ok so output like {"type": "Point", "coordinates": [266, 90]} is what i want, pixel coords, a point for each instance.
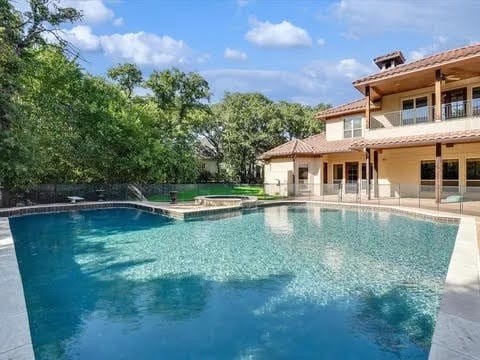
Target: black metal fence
{"type": "Point", "coordinates": [458, 199]}
{"type": "Point", "coordinates": [56, 193]}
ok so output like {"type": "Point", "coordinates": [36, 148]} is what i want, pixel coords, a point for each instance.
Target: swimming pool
{"type": "Point", "coordinates": [285, 281]}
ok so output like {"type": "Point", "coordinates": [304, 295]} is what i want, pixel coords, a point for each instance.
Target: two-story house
{"type": "Point", "coordinates": [416, 129]}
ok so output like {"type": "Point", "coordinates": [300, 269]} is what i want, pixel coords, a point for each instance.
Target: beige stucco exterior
{"type": "Point", "coordinates": [399, 164]}
{"type": "Point", "coordinates": [281, 176]}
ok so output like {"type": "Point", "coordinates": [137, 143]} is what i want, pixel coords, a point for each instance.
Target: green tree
{"type": "Point", "coordinates": [128, 76]}
{"type": "Point", "coordinates": [212, 130]}
{"type": "Point", "coordinates": [182, 97]}
{"type": "Point", "coordinates": [19, 34]}
{"type": "Point", "coordinates": [298, 121]}
{"type": "Point", "coordinates": [249, 121]}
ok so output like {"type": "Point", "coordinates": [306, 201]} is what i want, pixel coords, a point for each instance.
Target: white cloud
{"type": "Point", "coordinates": [233, 54]}
{"type": "Point", "coordinates": [94, 11]}
{"type": "Point", "coordinates": [316, 82]}
{"type": "Point", "coordinates": [82, 37]}
{"type": "Point", "coordinates": [145, 48]}
{"type": "Point", "coordinates": [320, 42]}
{"type": "Point", "coordinates": [118, 21]}
{"type": "Point", "coordinates": [141, 47]}
{"type": "Point", "coordinates": [437, 45]}
{"type": "Point", "coordinates": [203, 58]}
{"type": "Point", "coordinates": [351, 68]}
{"type": "Point", "coordinates": [436, 18]}
{"type": "Point", "coordinates": [283, 34]}
{"type": "Point", "coordinates": [249, 80]}
{"type": "Point", "coordinates": [242, 3]}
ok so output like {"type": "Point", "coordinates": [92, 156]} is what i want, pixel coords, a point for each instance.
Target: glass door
{"type": "Point", "coordinates": [351, 170]}
{"type": "Point", "coordinates": [337, 173]}
{"type": "Point", "coordinates": [303, 178]}
{"type": "Point", "coordinates": [454, 103]}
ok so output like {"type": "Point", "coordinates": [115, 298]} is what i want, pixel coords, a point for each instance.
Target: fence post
{"type": "Point", "coordinates": [399, 195]}
{"type": "Point", "coordinates": [419, 189]}
{"type": "Point", "coordinates": [462, 192]}
{"type": "Point", "coordinates": [55, 193]}
{"type": "Point", "coordinates": [358, 193]}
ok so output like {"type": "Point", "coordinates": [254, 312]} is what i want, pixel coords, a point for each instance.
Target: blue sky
{"type": "Point", "coordinates": [304, 51]}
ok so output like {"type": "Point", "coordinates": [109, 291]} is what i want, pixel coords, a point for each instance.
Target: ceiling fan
{"type": "Point", "coordinates": [451, 77]}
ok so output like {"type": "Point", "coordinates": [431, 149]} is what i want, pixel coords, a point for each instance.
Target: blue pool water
{"type": "Point", "coordinates": [282, 282]}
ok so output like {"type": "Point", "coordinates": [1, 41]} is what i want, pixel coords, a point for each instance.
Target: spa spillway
{"type": "Point", "coordinates": [226, 200]}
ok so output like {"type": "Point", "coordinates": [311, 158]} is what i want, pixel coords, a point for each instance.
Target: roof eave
{"type": "Point", "coordinates": [342, 113]}
{"type": "Point", "coordinates": [361, 84]}
{"type": "Point", "coordinates": [416, 143]}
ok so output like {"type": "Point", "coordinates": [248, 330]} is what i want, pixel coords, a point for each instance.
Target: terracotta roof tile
{"type": "Point", "coordinates": [323, 146]}
{"type": "Point", "coordinates": [425, 139]}
{"type": "Point", "coordinates": [313, 145]}
{"type": "Point", "coordinates": [391, 55]}
{"type": "Point", "coordinates": [351, 107]}
{"type": "Point", "coordinates": [427, 62]}
{"type": "Point", "coordinates": [293, 147]}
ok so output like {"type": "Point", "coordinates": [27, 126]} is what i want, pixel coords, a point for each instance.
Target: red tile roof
{"type": "Point", "coordinates": [311, 146]}
{"type": "Point", "coordinates": [348, 108]}
{"type": "Point", "coordinates": [323, 146]}
{"type": "Point", "coordinates": [392, 55]}
{"type": "Point", "coordinates": [354, 107]}
{"type": "Point", "coordinates": [427, 62]}
{"type": "Point", "coordinates": [318, 145]}
{"type": "Point", "coordinates": [426, 139]}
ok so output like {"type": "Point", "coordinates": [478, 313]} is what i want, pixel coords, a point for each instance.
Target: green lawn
{"type": "Point", "coordinates": [216, 189]}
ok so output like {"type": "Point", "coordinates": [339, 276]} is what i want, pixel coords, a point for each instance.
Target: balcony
{"type": "Point", "coordinates": [426, 114]}
{"type": "Point", "coordinates": [456, 116]}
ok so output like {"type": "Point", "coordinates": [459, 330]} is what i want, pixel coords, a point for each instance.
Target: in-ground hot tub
{"type": "Point", "coordinates": [226, 200]}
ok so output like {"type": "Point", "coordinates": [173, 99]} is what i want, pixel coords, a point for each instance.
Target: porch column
{"type": "Point", "coordinates": [367, 107]}
{"type": "Point", "coordinates": [438, 172]}
{"type": "Point", "coordinates": [294, 176]}
{"type": "Point", "coordinates": [438, 95]}
{"type": "Point", "coordinates": [375, 173]}
{"type": "Point", "coordinates": [320, 172]}
{"type": "Point", "coordinates": [367, 169]}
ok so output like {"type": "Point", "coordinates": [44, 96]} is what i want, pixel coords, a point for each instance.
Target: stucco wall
{"type": "Point", "coordinates": [392, 105]}
{"type": "Point", "coordinates": [278, 171]}
{"type": "Point", "coordinates": [281, 171]}
{"type": "Point", "coordinates": [394, 102]}
{"type": "Point", "coordinates": [403, 165]}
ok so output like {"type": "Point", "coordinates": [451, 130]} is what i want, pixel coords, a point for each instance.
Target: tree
{"type": "Point", "coordinates": [212, 130]}
{"type": "Point", "coordinates": [298, 121]}
{"type": "Point", "coordinates": [19, 34]}
{"type": "Point", "coordinates": [182, 96]}
{"type": "Point", "coordinates": [128, 76]}
{"type": "Point", "coordinates": [249, 121]}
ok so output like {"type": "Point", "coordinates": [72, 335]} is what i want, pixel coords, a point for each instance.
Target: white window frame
{"type": "Point", "coordinates": [351, 128]}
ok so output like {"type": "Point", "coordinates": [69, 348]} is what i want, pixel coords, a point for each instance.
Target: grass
{"type": "Point", "coordinates": [217, 189]}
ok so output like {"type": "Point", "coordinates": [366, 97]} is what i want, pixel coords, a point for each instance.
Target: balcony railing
{"type": "Point", "coordinates": [453, 110]}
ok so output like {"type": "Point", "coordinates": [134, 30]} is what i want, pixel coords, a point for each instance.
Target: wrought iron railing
{"type": "Point", "coordinates": [425, 114]}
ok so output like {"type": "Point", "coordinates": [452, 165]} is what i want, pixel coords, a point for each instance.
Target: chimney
{"type": "Point", "coordinates": [389, 61]}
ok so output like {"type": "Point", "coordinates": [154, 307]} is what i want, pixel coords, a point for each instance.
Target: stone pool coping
{"type": "Point", "coordinates": [15, 340]}
{"type": "Point", "coordinates": [457, 329]}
